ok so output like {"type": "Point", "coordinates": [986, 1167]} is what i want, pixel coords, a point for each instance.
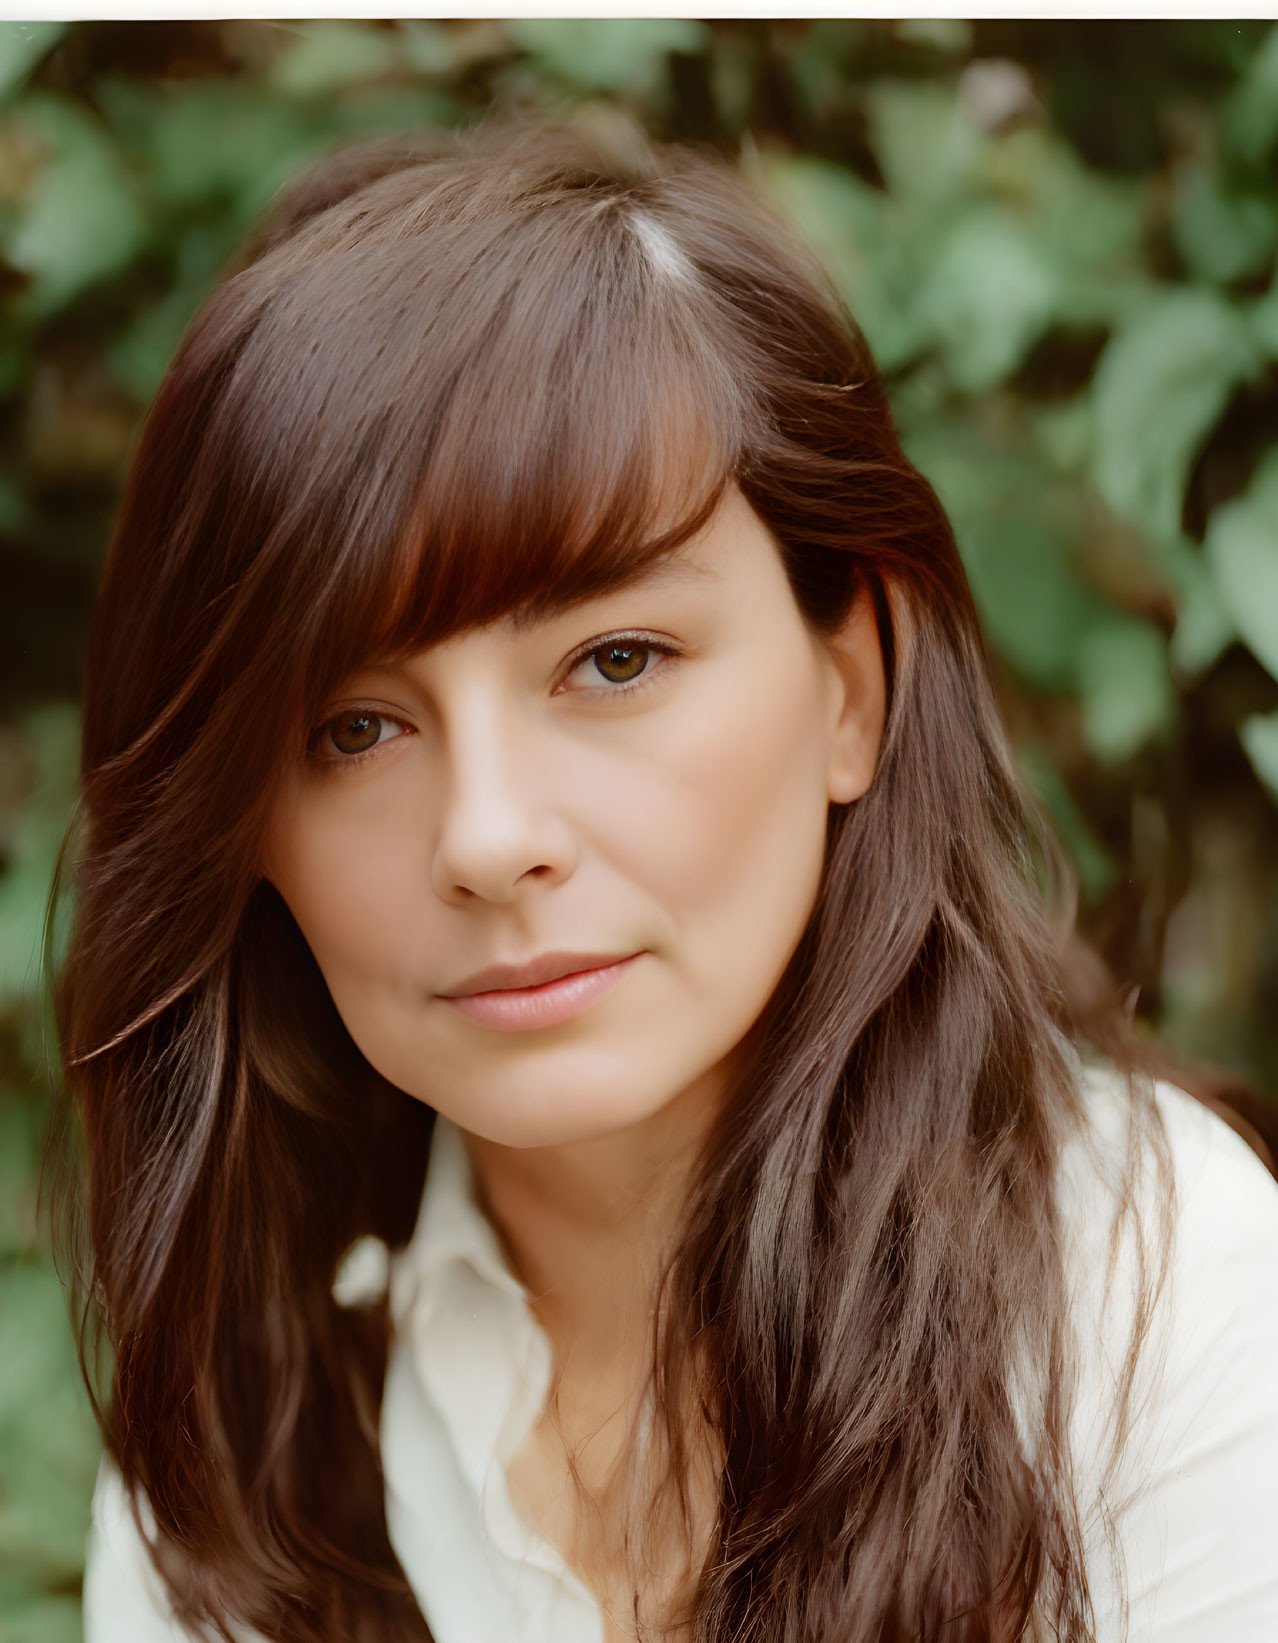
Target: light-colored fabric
{"type": "Point", "coordinates": [1195, 1497]}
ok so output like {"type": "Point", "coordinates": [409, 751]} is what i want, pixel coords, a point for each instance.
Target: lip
{"type": "Point", "coordinates": [520, 1009]}
{"type": "Point", "coordinates": [545, 967]}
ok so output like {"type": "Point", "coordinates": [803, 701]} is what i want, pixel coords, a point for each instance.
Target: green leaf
{"type": "Point", "coordinates": [948, 34]}
{"type": "Point", "coordinates": [1063, 433]}
{"type": "Point", "coordinates": [1016, 531]}
{"type": "Point", "coordinates": [1241, 544]}
{"type": "Point", "coordinates": [140, 355]}
{"type": "Point", "coordinates": [734, 73]}
{"type": "Point", "coordinates": [82, 222]}
{"type": "Point", "coordinates": [52, 733]}
{"type": "Point", "coordinates": [1259, 737]}
{"type": "Point", "coordinates": [1159, 387]}
{"type": "Point", "coordinates": [1263, 319]}
{"type": "Point", "coordinates": [19, 1172]}
{"type": "Point", "coordinates": [331, 54]}
{"type": "Point", "coordinates": [988, 296]}
{"type": "Point", "coordinates": [1204, 627]}
{"type": "Point", "coordinates": [1097, 869]}
{"type": "Point", "coordinates": [1127, 696]}
{"type": "Point", "coordinates": [22, 45]}
{"type": "Point", "coordinates": [613, 54]}
{"type": "Point", "coordinates": [924, 139]}
{"type": "Point", "coordinates": [375, 111]}
{"type": "Point", "coordinates": [429, 47]}
{"type": "Point", "coordinates": [206, 142]}
{"type": "Point", "coordinates": [1221, 235]}
{"type": "Point", "coordinates": [1249, 118]}
{"type": "Point", "coordinates": [822, 63]}
{"type": "Point", "coordinates": [858, 234]}
{"type": "Point", "coordinates": [1081, 220]}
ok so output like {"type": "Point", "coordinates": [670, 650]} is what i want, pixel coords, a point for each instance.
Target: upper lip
{"type": "Point", "coordinates": [545, 967]}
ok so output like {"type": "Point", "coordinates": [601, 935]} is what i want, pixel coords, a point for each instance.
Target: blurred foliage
{"type": "Point", "coordinates": [1059, 239]}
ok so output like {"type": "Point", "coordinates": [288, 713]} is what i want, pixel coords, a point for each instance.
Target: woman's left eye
{"type": "Point", "coordinates": [624, 661]}
{"type": "Point", "coordinates": [347, 737]}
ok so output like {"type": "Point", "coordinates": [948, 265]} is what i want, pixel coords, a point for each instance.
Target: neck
{"type": "Point", "coordinates": [587, 1225]}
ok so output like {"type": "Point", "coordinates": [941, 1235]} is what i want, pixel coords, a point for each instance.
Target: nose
{"type": "Point", "coordinates": [500, 828]}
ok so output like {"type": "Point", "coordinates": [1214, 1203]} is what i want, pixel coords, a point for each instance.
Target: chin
{"type": "Point", "coordinates": [557, 1123]}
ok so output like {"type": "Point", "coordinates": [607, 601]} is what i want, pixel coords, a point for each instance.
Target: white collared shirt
{"type": "Point", "coordinates": [469, 1370]}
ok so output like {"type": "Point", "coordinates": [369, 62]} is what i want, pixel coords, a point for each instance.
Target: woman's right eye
{"type": "Point", "coordinates": [347, 737]}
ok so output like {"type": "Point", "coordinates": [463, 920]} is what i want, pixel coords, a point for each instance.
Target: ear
{"type": "Point", "coordinates": [858, 700]}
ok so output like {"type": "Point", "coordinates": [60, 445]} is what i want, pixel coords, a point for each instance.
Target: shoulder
{"type": "Point", "coordinates": [124, 1597]}
{"type": "Point", "coordinates": [1170, 1178]}
{"type": "Point", "coordinates": [1183, 1514]}
{"type": "Point", "coordinates": [125, 1600]}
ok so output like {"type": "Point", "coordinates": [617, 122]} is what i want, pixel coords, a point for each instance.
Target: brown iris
{"type": "Point", "coordinates": [355, 732]}
{"type": "Point", "coordinates": [607, 655]}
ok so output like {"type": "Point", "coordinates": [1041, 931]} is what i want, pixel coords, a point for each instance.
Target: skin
{"type": "Point", "coordinates": [516, 804]}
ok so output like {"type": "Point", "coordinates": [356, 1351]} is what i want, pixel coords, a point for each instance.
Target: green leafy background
{"type": "Point", "coordinates": [1060, 240]}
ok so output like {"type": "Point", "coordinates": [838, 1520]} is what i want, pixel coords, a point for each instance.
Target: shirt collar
{"type": "Point", "coordinates": [451, 1230]}
{"type": "Point", "coordinates": [477, 1353]}
{"type": "Point", "coordinates": [469, 1369]}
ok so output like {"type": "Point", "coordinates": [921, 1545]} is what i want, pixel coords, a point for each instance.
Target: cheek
{"type": "Point", "coordinates": [734, 832]}
{"type": "Point", "coordinates": [345, 895]}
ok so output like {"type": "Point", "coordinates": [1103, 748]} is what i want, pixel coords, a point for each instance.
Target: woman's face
{"type": "Point", "coordinates": [646, 775]}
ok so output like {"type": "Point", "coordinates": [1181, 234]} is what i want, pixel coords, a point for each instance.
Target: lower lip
{"type": "Point", "coordinates": [517, 1009]}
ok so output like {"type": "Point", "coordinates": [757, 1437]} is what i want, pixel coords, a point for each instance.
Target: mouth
{"type": "Point", "coordinates": [521, 1009]}
{"type": "Point", "coordinates": [533, 972]}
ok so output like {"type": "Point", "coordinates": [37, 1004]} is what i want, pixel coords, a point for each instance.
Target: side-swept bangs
{"type": "Point", "coordinates": [437, 417]}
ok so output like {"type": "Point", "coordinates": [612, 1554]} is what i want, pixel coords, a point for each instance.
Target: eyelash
{"type": "Point", "coordinates": [595, 647]}
{"type": "Point", "coordinates": [612, 641]}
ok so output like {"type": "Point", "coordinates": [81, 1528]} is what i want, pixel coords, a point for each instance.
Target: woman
{"type": "Point", "coordinates": [545, 810]}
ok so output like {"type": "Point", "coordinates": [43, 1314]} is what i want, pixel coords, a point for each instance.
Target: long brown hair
{"type": "Point", "coordinates": [456, 378]}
